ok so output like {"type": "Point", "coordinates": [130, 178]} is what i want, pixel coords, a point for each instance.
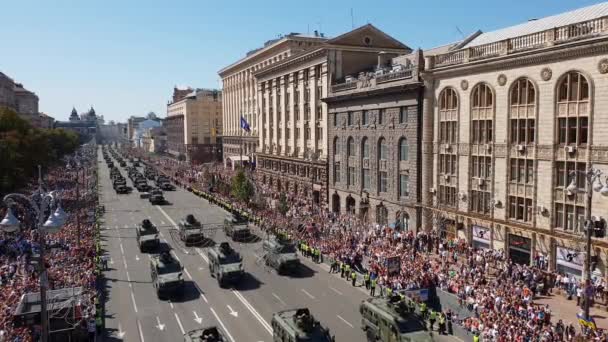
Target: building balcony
{"type": "Point", "coordinates": [368, 80]}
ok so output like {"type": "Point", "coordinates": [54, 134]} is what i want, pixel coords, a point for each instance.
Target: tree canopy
{"type": "Point", "coordinates": [23, 147]}
{"type": "Point", "coordinates": [242, 188]}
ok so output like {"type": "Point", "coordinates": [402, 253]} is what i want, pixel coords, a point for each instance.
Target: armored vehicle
{"type": "Point", "coordinates": [147, 235]}
{"type": "Point", "coordinates": [236, 227]}
{"type": "Point", "coordinates": [225, 264]}
{"type": "Point", "coordinates": [210, 334]}
{"type": "Point", "coordinates": [388, 319]}
{"type": "Point", "coordinates": [298, 325]}
{"type": "Point", "coordinates": [161, 179]}
{"type": "Point", "coordinates": [190, 230]}
{"type": "Point", "coordinates": [156, 197]}
{"type": "Point", "coordinates": [281, 254]}
{"type": "Point", "coordinates": [142, 185]}
{"type": "Point", "coordinates": [166, 274]}
{"type": "Point", "coordinates": [122, 163]}
{"type": "Point", "coordinates": [121, 189]}
{"type": "Point", "coordinates": [167, 186]}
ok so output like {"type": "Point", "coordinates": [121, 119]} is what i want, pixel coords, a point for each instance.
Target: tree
{"type": "Point", "coordinates": [242, 188]}
{"type": "Point", "coordinates": [283, 207]}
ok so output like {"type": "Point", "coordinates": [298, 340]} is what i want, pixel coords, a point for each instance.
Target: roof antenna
{"type": "Point", "coordinates": [307, 28]}
{"type": "Point", "coordinates": [459, 31]}
{"type": "Point", "coordinates": [352, 18]}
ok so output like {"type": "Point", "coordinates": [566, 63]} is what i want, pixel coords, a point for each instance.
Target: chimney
{"type": "Point", "coordinates": [316, 33]}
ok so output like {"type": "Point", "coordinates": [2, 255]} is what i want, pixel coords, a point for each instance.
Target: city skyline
{"type": "Point", "coordinates": [127, 62]}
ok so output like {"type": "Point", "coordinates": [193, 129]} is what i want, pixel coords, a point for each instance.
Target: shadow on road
{"type": "Point", "coordinates": [188, 292]}
{"type": "Point", "coordinates": [303, 271]}
{"type": "Point", "coordinates": [248, 282]}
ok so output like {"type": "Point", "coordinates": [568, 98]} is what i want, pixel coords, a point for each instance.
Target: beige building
{"type": "Point", "coordinates": [292, 153]}
{"type": "Point", "coordinates": [202, 123]}
{"type": "Point", "coordinates": [240, 92]}
{"type": "Point", "coordinates": [508, 114]}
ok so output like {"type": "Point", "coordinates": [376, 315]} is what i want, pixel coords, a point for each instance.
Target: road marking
{"type": "Point", "coordinates": [197, 319]}
{"type": "Point", "coordinates": [171, 304]}
{"type": "Point", "coordinates": [222, 324]}
{"type": "Point", "coordinates": [136, 257]}
{"type": "Point", "coordinates": [160, 326]}
{"type": "Point", "coordinates": [176, 257]}
{"type": "Point", "coordinates": [111, 261]}
{"type": "Point", "coordinates": [121, 333]}
{"type": "Point", "coordinates": [308, 294]}
{"type": "Point", "coordinates": [279, 299]}
{"type": "Point", "coordinates": [162, 222]}
{"type": "Point", "coordinates": [122, 249]}
{"type": "Point", "coordinates": [126, 226]}
{"type": "Point", "coordinates": [336, 291]}
{"type": "Point", "coordinates": [181, 327]}
{"type": "Point", "coordinates": [232, 312]}
{"type": "Point", "coordinates": [133, 299]}
{"type": "Point", "coordinates": [201, 292]}
{"type": "Point", "coordinates": [345, 321]}
{"type": "Point", "coordinates": [253, 312]}
{"type": "Point", "coordinates": [188, 273]}
{"type": "Point", "coordinates": [141, 334]}
{"type": "Point", "coordinates": [198, 250]}
{"type": "Point", "coordinates": [128, 277]}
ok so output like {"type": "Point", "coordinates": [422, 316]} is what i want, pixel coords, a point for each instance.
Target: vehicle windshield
{"type": "Point", "coordinates": [287, 249]}
{"type": "Point", "coordinates": [230, 259]}
{"type": "Point", "coordinates": [149, 229]}
{"type": "Point", "coordinates": [407, 326]}
{"type": "Point", "coordinates": [169, 268]}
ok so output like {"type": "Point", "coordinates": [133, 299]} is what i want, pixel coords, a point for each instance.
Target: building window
{"type": "Point", "coordinates": [365, 179]}
{"type": "Point", "coordinates": [351, 175]}
{"type": "Point", "coordinates": [521, 171]}
{"type": "Point", "coordinates": [365, 148]}
{"type": "Point", "coordinates": [522, 131]}
{"type": "Point", "coordinates": [481, 167]}
{"type": "Point", "coordinates": [350, 117]}
{"type": "Point", "coordinates": [563, 171]}
{"type": "Point", "coordinates": [448, 116]}
{"type": "Point", "coordinates": [381, 214]}
{"type": "Point", "coordinates": [404, 185]}
{"type": "Point", "coordinates": [447, 195]}
{"type": "Point", "coordinates": [573, 110]}
{"type": "Point", "coordinates": [402, 114]}
{"type": "Point", "coordinates": [520, 209]}
{"type": "Point", "coordinates": [482, 114]}
{"type": "Point", "coordinates": [337, 146]}
{"type": "Point", "coordinates": [403, 150]}
{"type": "Point", "coordinates": [336, 120]}
{"type": "Point", "coordinates": [569, 217]}
{"type": "Point", "coordinates": [350, 147]}
{"type": "Point", "coordinates": [381, 114]}
{"type": "Point", "coordinates": [383, 149]}
{"type": "Point", "coordinates": [383, 181]}
{"type": "Point", "coordinates": [336, 172]}
{"type": "Point", "coordinates": [365, 117]}
{"type": "Point", "coordinates": [480, 202]}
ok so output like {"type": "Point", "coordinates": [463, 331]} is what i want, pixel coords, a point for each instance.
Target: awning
{"type": "Point", "coordinates": [238, 158]}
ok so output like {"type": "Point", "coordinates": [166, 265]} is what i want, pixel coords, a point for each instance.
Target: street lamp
{"type": "Point", "coordinates": [594, 184]}
{"type": "Point", "coordinates": [53, 223]}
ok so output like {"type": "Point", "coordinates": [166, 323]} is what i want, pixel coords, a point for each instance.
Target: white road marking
{"type": "Point", "coordinates": [124, 262]}
{"type": "Point", "coordinates": [188, 273]}
{"type": "Point", "coordinates": [133, 300]}
{"type": "Point", "coordinates": [141, 333]}
{"type": "Point", "coordinates": [279, 299]}
{"type": "Point", "coordinates": [122, 249]}
{"type": "Point", "coordinates": [181, 327]}
{"type": "Point", "coordinates": [308, 294]}
{"type": "Point", "coordinates": [160, 326]}
{"type": "Point", "coordinates": [205, 259]}
{"type": "Point", "coordinates": [176, 257]}
{"type": "Point", "coordinates": [201, 292]}
{"type": "Point", "coordinates": [162, 222]}
{"type": "Point", "coordinates": [345, 321]}
{"type": "Point", "coordinates": [136, 257]}
{"type": "Point", "coordinates": [222, 324]}
{"type": "Point", "coordinates": [128, 278]}
{"type": "Point", "coordinates": [121, 333]}
{"type": "Point", "coordinates": [126, 226]}
{"type": "Point", "coordinates": [232, 312]}
{"type": "Point", "coordinates": [336, 291]}
{"type": "Point", "coordinates": [253, 312]}
{"type": "Point", "coordinates": [171, 304]}
{"type": "Point", "coordinates": [197, 319]}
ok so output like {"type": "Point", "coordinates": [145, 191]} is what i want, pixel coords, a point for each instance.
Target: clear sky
{"type": "Point", "coordinates": [124, 57]}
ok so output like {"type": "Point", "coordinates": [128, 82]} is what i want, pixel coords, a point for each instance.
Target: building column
{"type": "Point", "coordinates": [428, 112]}
{"type": "Point", "coordinates": [300, 80]}
{"type": "Point", "coordinates": [324, 113]}
{"type": "Point", "coordinates": [312, 104]}
{"type": "Point", "coordinates": [275, 117]}
{"type": "Point", "coordinates": [292, 119]}
{"type": "Point", "coordinates": [281, 104]}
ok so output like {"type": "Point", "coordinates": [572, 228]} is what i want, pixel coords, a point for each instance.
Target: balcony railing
{"type": "Point", "coordinates": [397, 75]}
{"type": "Point", "coordinates": [343, 86]}
{"type": "Point", "coordinates": [585, 29]}
{"type": "Point", "coordinates": [371, 80]}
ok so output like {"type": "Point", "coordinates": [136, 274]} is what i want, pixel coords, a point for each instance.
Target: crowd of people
{"type": "Point", "coordinates": [497, 295]}
{"type": "Point", "coordinates": [69, 260]}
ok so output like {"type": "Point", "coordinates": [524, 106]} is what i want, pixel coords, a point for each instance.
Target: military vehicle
{"type": "Point", "coordinates": [142, 185]}
{"type": "Point", "coordinates": [156, 197]}
{"type": "Point", "coordinates": [166, 274]}
{"type": "Point", "coordinates": [225, 264]}
{"type": "Point", "coordinates": [236, 227]}
{"type": "Point", "coordinates": [167, 186]}
{"type": "Point", "coordinates": [209, 334]}
{"type": "Point", "coordinates": [147, 235]}
{"type": "Point", "coordinates": [388, 319]}
{"type": "Point", "coordinates": [122, 163]}
{"type": "Point", "coordinates": [281, 254]}
{"type": "Point", "coordinates": [190, 230]}
{"type": "Point", "coordinates": [161, 179]}
{"type": "Point", "coordinates": [298, 325]}
{"type": "Point", "coordinates": [121, 189]}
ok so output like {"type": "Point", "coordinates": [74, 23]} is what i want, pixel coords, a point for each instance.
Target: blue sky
{"type": "Point", "coordinates": [124, 57]}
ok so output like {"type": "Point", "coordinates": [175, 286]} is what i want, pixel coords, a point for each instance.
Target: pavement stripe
{"type": "Point", "coordinates": [205, 259]}
{"type": "Point", "coordinates": [141, 334]}
{"type": "Point", "coordinates": [222, 324]}
{"type": "Point", "coordinates": [253, 312]}
{"type": "Point", "coordinates": [133, 299]}
{"type": "Point", "coordinates": [308, 294]}
{"type": "Point", "coordinates": [181, 327]}
{"type": "Point", "coordinates": [345, 321]}
{"type": "Point", "coordinates": [278, 298]}
{"type": "Point", "coordinates": [187, 273]}
{"type": "Point", "coordinates": [336, 291]}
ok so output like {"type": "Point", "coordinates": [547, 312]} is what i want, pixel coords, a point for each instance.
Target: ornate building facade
{"type": "Point", "coordinates": [374, 139]}
{"type": "Point", "coordinates": [292, 152]}
{"type": "Point", "coordinates": [510, 114]}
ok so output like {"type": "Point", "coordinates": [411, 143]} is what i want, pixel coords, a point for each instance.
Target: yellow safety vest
{"type": "Point", "coordinates": [423, 307]}
{"type": "Point", "coordinates": [373, 283]}
{"type": "Point", "coordinates": [475, 338]}
{"type": "Point", "coordinates": [353, 275]}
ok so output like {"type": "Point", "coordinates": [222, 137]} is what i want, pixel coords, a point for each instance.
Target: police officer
{"type": "Point", "coordinates": [347, 271]}
{"type": "Point", "coordinates": [448, 318]}
{"type": "Point", "coordinates": [411, 306]}
{"type": "Point", "coordinates": [441, 323]}
{"type": "Point", "coordinates": [476, 337]}
{"type": "Point", "coordinates": [423, 310]}
{"type": "Point", "coordinates": [432, 318]}
{"type": "Point", "coordinates": [389, 291]}
{"type": "Point", "coordinates": [372, 287]}
{"type": "Point", "coordinates": [353, 277]}
{"type": "Point", "coordinates": [342, 269]}
{"type": "Point", "coordinates": [366, 279]}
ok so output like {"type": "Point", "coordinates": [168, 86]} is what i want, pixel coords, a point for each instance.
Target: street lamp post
{"type": "Point", "coordinates": [53, 223]}
{"type": "Point", "coordinates": [594, 184]}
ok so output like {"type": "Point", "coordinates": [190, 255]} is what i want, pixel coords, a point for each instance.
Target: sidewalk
{"type": "Point", "coordinates": [566, 310]}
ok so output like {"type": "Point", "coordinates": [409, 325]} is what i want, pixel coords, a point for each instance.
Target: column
{"type": "Point", "coordinates": [292, 124]}
{"type": "Point", "coordinates": [284, 80]}
{"type": "Point", "coordinates": [427, 152]}
{"type": "Point", "coordinates": [324, 119]}
{"type": "Point", "coordinates": [275, 118]}
{"type": "Point", "coordinates": [300, 80]}
{"type": "Point", "coordinates": [312, 104]}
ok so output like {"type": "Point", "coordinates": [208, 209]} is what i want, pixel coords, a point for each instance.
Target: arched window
{"type": "Point", "coordinates": [482, 114]}
{"type": "Point", "coordinates": [365, 147]}
{"type": "Point", "coordinates": [573, 109]}
{"type": "Point", "coordinates": [522, 113]}
{"type": "Point", "coordinates": [403, 150]}
{"type": "Point", "coordinates": [350, 147]}
{"type": "Point", "coordinates": [573, 87]}
{"type": "Point", "coordinates": [337, 147]}
{"type": "Point", "coordinates": [448, 134]}
{"type": "Point", "coordinates": [382, 149]}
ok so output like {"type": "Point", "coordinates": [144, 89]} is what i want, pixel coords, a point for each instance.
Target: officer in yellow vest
{"type": "Point", "coordinates": [432, 318]}
{"type": "Point", "coordinates": [366, 279]}
{"type": "Point", "coordinates": [372, 287]}
{"type": "Point", "coordinates": [347, 271]}
{"type": "Point", "coordinates": [353, 277]}
{"type": "Point", "coordinates": [476, 338]}
{"type": "Point", "coordinates": [389, 292]}
{"type": "Point", "coordinates": [342, 269]}
{"type": "Point", "coordinates": [441, 323]}
{"type": "Point", "coordinates": [423, 310]}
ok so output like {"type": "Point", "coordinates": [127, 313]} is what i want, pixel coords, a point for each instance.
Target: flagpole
{"type": "Point", "coordinates": [241, 141]}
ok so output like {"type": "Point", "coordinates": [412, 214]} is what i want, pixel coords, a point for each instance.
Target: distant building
{"type": "Point", "coordinates": [142, 129]}
{"type": "Point", "coordinates": [7, 92]}
{"type": "Point", "coordinates": [112, 132]}
{"type": "Point", "coordinates": [84, 124]}
{"type": "Point", "coordinates": [14, 96]}
{"type": "Point", "coordinates": [132, 124]}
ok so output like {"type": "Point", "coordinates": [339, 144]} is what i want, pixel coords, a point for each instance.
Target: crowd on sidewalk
{"type": "Point", "coordinates": [498, 294]}
{"type": "Point", "coordinates": [68, 263]}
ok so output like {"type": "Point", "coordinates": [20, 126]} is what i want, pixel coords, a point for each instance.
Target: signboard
{"type": "Point", "coordinates": [393, 265]}
{"type": "Point", "coordinates": [481, 237]}
{"type": "Point", "coordinates": [570, 261]}
{"type": "Point", "coordinates": [421, 294]}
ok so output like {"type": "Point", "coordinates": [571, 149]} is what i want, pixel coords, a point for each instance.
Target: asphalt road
{"type": "Point", "coordinates": [134, 313]}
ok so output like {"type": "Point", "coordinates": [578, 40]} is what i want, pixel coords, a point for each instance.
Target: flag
{"type": "Point", "coordinates": [245, 125]}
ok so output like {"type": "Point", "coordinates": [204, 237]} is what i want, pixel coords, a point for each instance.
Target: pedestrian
{"type": "Point", "coordinates": [432, 318]}
{"type": "Point", "coordinates": [441, 323]}
{"type": "Point", "coordinates": [372, 287]}
{"type": "Point", "coordinates": [342, 269]}
{"type": "Point", "coordinates": [423, 310]}
{"type": "Point", "coordinates": [91, 328]}
{"type": "Point", "coordinates": [366, 279]}
{"type": "Point", "coordinates": [353, 276]}
{"type": "Point", "coordinates": [579, 292]}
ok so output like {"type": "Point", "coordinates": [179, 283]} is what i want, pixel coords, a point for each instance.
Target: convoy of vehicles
{"type": "Point", "coordinates": [236, 227]}
{"type": "Point", "coordinates": [225, 264]}
{"type": "Point", "coordinates": [156, 197]}
{"type": "Point", "coordinates": [280, 254]}
{"type": "Point", "coordinates": [298, 325]}
{"type": "Point", "coordinates": [209, 334]}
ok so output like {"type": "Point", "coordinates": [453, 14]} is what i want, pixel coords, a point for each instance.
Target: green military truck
{"type": "Point", "coordinates": [225, 264]}
{"type": "Point", "coordinates": [389, 320]}
{"type": "Point", "coordinates": [156, 197]}
{"type": "Point", "coordinates": [280, 254]}
{"type": "Point", "coordinates": [236, 227]}
{"type": "Point", "coordinates": [166, 273]}
{"type": "Point", "coordinates": [209, 334]}
{"type": "Point", "coordinates": [298, 325]}
{"type": "Point", "coordinates": [147, 236]}
{"type": "Point", "coordinates": [190, 230]}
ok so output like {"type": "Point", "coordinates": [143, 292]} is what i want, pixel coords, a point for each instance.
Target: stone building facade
{"type": "Point", "coordinates": [240, 92]}
{"type": "Point", "coordinates": [292, 152]}
{"type": "Point", "coordinates": [509, 114]}
{"type": "Point", "coordinates": [174, 127]}
{"type": "Point", "coordinates": [373, 137]}
{"type": "Point", "coordinates": [7, 92]}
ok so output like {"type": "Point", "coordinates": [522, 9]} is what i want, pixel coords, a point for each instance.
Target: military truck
{"type": "Point", "coordinates": [190, 230]}
{"type": "Point", "coordinates": [147, 235]}
{"type": "Point", "coordinates": [209, 334]}
{"type": "Point", "coordinates": [167, 186]}
{"type": "Point", "coordinates": [156, 197]}
{"type": "Point", "coordinates": [298, 325]}
{"type": "Point", "coordinates": [225, 264]}
{"type": "Point", "coordinates": [121, 189]}
{"type": "Point", "coordinates": [142, 185]}
{"type": "Point", "coordinates": [388, 320]}
{"type": "Point", "coordinates": [236, 227]}
{"type": "Point", "coordinates": [280, 254]}
{"type": "Point", "coordinates": [166, 273]}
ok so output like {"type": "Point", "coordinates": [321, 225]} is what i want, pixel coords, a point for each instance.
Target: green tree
{"type": "Point", "coordinates": [242, 188]}
{"type": "Point", "coordinates": [283, 207]}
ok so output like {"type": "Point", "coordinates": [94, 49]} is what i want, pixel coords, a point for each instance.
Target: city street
{"type": "Point", "coordinates": [134, 313]}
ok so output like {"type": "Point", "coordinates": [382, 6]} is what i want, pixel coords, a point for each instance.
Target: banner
{"type": "Point", "coordinates": [393, 265]}
{"type": "Point", "coordinates": [421, 294]}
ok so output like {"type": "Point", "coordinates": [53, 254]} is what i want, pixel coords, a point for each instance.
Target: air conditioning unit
{"type": "Point", "coordinates": [446, 177]}
{"type": "Point", "coordinates": [570, 149]}
{"type": "Point", "coordinates": [496, 203]}
{"type": "Point", "coordinates": [542, 209]}
{"type": "Point", "coordinates": [349, 79]}
{"type": "Point", "coordinates": [432, 190]}
{"type": "Point", "coordinates": [447, 147]}
{"type": "Point", "coordinates": [481, 181]}
{"type": "Point", "coordinates": [462, 195]}
{"type": "Point", "coordinates": [488, 148]}
{"type": "Point", "coordinates": [521, 148]}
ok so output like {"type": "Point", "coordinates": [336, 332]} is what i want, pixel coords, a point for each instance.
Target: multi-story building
{"type": "Point", "coordinates": [373, 134]}
{"type": "Point", "coordinates": [85, 124]}
{"type": "Point", "coordinates": [240, 93]}
{"type": "Point", "coordinates": [132, 124]}
{"type": "Point", "coordinates": [512, 118]}
{"type": "Point", "coordinates": [199, 113]}
{"type": "Point", "coordinates": [293, 120]}
{"type": "Point", "coordinates": [7, 92]}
